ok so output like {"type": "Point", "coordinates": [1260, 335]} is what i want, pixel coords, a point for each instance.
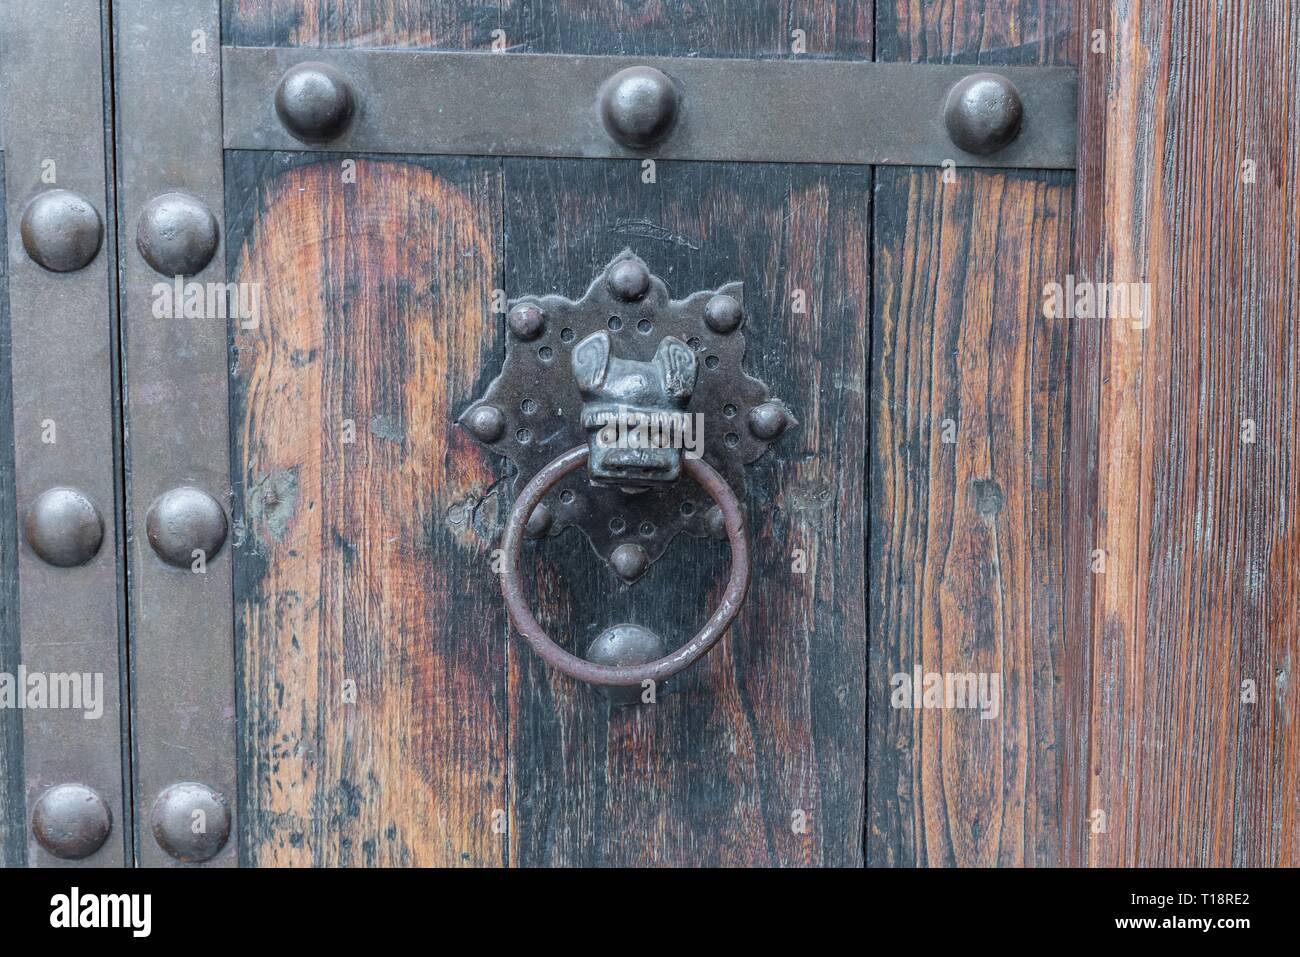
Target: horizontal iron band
{"type": "Point", "coordinates": [777, 111]}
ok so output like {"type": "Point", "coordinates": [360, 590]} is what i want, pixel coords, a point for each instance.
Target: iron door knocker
{"type": "Point", "coordinates": [627, 383]}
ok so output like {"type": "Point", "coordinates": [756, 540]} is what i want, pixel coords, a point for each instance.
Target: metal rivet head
{"type": "Point", "coordinates": [723, 314]}
{"type": "Point", "coordinates": [64, 527]}
{"type": "Point", "coordinates": [625, 645]}
{"type": "Point", "coordinates": [539, 523]}
{"type": "Point", "coordinates": [191, 822]}
{"type": "Point", "coordinates": [629, 561]}
{"type": "Point", "coordinates": [177, 234]}
{"type": "Point", "coordinates": [486, 423]}
{"type": "Point", "coordinates": [61, 230]}
{"type": "Point", "coordinates": [315, 102]}
{"type": "Point", "coordinates": [638, 106]}
{"type": "Point", "coordinates": [629, 280]}
{"type": "Point", "coordinates": [526, 321]}
{"type": "Point", "coordinates": [983, 113]}
{"type": "Point", "coordinates": [767, 421]}
{"type": "Point", "coordinates": [183, 521]}
{"type": "Point", "coordinates": [716, 523]}
{"type": "Point", "coordinates": [71, 821]}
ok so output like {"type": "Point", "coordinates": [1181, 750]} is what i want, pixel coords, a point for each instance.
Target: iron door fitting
{"type": "Point", "coordinates": [649, 395]}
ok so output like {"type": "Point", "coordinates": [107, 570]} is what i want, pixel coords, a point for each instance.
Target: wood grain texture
{"type": "Point", "coordinates": [770, 725]}
{"type": "Point", "coordinates": [357, 559]}
{"type": "Point", "coordinates": [1199, 525]}
{"type": "Point", "coordinates": [771, 722]}
{"type": "Point", "coordinates": [13, 798]}
{"type": "Point", "coordinates": [966, 554]}
{"type": "Point", "coordinates": [831, 28]}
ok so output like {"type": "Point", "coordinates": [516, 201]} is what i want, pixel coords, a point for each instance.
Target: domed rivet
{"type": "Point", "coordinates": [61, 230]}
{"type": "Point", "coordinates": [177, 234]}
{"type": "Point", "coordinates": [71, 821]}
{"type": "Point", "coordinates": [486, 423]}
{"type": "Point", "coordinates": [64, 527]}
{"type": "Point", "coordinates": [716, 523]}
{"type": "Point", "coordinates": [191, 822]}
{"type": "Point", "coordinates": [539, 523]}
{"type": "Point", "coordinates": [767, 421]}
{"type": "Point", "coordinates": [629, 561]}
{"type": "Point", "coordinates": [183, 521]}
{"type": "Point", "coordinates": [526, 321]}
{"type": "Point", "coordinates": [314, 102]}
{"type": "Point", "coordinates": [723, 314]}
{"type": "Point", "coordinates": [638, 106]}
{"type": "Point", "coordinates": [983, 113]}
{"type": "Point", "coordinates": [621, 645]}
{"type": "Point", "coordinates": [629, 280]}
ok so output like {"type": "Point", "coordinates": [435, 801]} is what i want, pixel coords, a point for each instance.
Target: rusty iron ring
{"type": "Point", "coordinates": [512, 587]}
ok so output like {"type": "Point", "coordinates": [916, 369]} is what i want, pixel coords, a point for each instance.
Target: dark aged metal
{"type": "Point", "coordinates": [64, 335]}
{"type": "Point", "coordinates": [625, 357]}
{"type": "Point", "coordinates": [983, 113]}
{"type": "Point", "coordinates": [622, 675]}
{"type": "Point", "coordinates": [314, 102]}
{"type": "Point", "coordinates": [61, 230]}
{"type": "Point", "coordinates": [71, 821]}
{"type": "Point", "coordinates": [183, 521]}
{"type": "Point", "coordinates": [517, 104]}
{"type": "Point", "coordinates": [625, 644]}
{"type": "Point", "coordinates": [191, 822]}
{"type": "Point", "coordinates": [168, 110]}
{"type": "Point", "coordinates": [638, 106]}
{"type": "Point", "coordinates": [177, 234]}
{"type": "Point", "coordinates": [64, 527]}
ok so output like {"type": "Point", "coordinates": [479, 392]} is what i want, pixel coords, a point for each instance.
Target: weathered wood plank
{"type": "Point", "coordinates": [968, 421]}
{"type": "Point", "coordinates": [356, 558]}
{"type": "Point", "coordinates": [771, 723]}
{"type": "Point", "coordinates": [1189, 184]}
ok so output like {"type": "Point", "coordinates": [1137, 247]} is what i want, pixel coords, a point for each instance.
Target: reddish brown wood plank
{"type": "Point", "coordinates": [356, 557]}
{"type": "Point", "coordinates": [1198, 524]}
{"type": "Point", "coordinates": [967, 557]}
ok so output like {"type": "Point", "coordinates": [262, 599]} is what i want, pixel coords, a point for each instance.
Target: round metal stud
{"type": "Point", "coordinates": [526, 321]}
{"type": "Point", "coordinates": [629, 561]}
{"type": "Point", "coordinates": [629, 280]}
{"type": "Point", "coordinates": [61, 230]}
{"type": "Point", "coordinates": [723, 314]}
{"type": "Point", "coordinates": [716, 523]}
{"type": "Point", "coordinates": [625, 644]}
{"type": "Point", "coordinates": [185, 520]}
{"type": "Point", "coordinates": [486, 423]}
{"type": "Point", "coordinates": [315, 102]}
{"type": "Point", "coordinates": [539, 523]}
{"type": "Point", "coordinates": [64, 527]}
{"type": "Point", "coordinates": [177, 234]}
{"type": "Point", "coordinates": [767, 421]}
{"type": "Point", "coordinates": [638, 106]}
{"type": "Point", "coordinates": [71, 821]}
{"type": "Point", "coordinates": [983, 113]}
{"type": "Point", "coordinates": [191, 822]}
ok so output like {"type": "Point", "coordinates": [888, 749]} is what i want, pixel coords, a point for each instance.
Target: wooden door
{"type": "Point", "coordinates": [256, 376]}
{"type": "Point", "coordinates": [370, 560]}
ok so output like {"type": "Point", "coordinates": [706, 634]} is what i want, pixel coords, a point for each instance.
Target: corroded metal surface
{"type": "Point", "coordinates": [533, 410]}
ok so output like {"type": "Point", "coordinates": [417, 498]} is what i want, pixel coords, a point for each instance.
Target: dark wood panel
{"type": "Point", "coordinates": [968, 386]}
{"type": "Point", "coordinates": [13, 800]}
{"type": "Point", "coordinates": [359, 560]}
{"type": "Point", "coordinates": [771, 723]}
{"type": "Point", "coordinates": [830, 28]}
{"type": "Point", "coordinates": [1199, 524]}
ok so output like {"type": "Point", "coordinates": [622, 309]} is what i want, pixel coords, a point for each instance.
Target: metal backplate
{"type": "Point", "coordinates": [540, 400]}
{"type": "Point", "coordinates": [778, 111]}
